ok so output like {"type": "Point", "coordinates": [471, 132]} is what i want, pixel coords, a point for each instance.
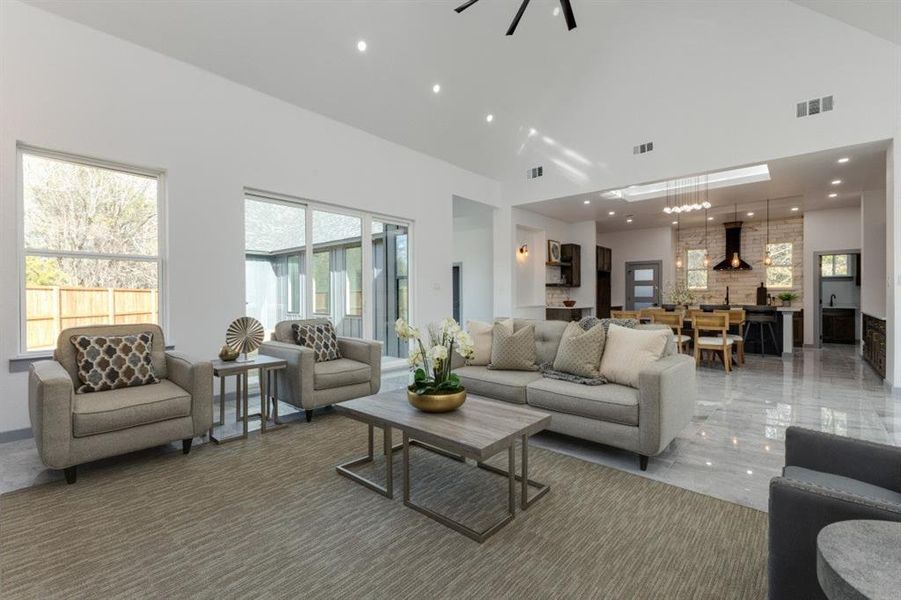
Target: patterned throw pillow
{"type": "Point", "coordinates": [113, 362]}
{"type": "Point", "coordinates": [319, 337]}
{"type": "Point", "coordinates": [513, 351]}
{"type": "Point", "coordinates": [580, 351]}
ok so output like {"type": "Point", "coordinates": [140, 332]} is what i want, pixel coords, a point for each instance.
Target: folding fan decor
{"type": "Point", "coordinates": [564, 4]}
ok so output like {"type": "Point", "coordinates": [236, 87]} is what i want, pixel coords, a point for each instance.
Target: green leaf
{"type": "Point", "coordinates": [419, 375]}
{"type": "Point", "coordinates": [454, 379]}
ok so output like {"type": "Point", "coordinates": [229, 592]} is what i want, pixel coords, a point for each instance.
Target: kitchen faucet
{"type": "Point", "coordinates": [832, 300]}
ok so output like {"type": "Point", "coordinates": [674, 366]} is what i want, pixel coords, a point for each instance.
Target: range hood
{"type": "Point", "coordinates": [733, 247]}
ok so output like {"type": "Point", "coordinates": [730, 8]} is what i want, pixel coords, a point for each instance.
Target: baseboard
{"type": "Point", "coordinates": [15, 435]}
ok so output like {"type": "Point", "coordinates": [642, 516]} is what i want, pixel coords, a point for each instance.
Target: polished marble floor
{"type": "Point", "coordinates": [732, 448]}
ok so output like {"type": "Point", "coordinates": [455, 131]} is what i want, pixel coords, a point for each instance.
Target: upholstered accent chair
{"type": "Point", "coordinates": [308, 384]}
{"type": "Point", "coordinates": [827, 478]}
{"type": "Point", "coordinates": [74, 428]}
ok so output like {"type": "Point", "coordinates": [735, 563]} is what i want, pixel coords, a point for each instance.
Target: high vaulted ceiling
{"type": "Point", "coordinates": [590, 94]}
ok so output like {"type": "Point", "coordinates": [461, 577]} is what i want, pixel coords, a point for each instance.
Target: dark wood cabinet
{"type": "Point", "coordinates": [873, 335]}
{"type": "Point", "coordinates": [571, 258]}
{"type": "Point", "coordinates": [604, 260]}
{"type": "Point", "coordinates": [838, 326]}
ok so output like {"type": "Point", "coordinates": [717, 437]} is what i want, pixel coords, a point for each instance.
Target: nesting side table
{"type": "Point", "coordinates": [241, 369]}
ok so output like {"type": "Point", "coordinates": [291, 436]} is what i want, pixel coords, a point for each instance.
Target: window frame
{"type": "Point", "coordinates": [22, 252]}
{"type": "Point", "coordinates": [690, 270]}
{"type": "Point", "coordinates": [848, 275]}
{"type": "Point", "coordinates": [791, 267]}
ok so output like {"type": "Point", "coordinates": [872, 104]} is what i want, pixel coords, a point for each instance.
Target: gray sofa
{"type": "Point", "coordinates": [827, 478]}
{"type": "Point", "coordinates": [308, 384]}
{"type": "Point", "coordinates": [643, 420]}
{"type": "Point", "coordinates": [70, 429]}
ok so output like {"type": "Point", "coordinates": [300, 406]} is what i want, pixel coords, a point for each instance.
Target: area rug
{"type": "Point", "coordinates": [270, 517]}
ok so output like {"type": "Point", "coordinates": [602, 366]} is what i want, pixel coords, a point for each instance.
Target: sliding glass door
{"type": "Point", "coordinates": [390, 288]}
{"type": "Point", "coordinates": [343, 247]}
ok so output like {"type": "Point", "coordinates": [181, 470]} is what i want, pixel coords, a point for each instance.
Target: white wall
{"type": "Point", "coordinates": [825, 231]}
{"type": "Point", "coordinates": [872, 258]}
{"type": "Point", "coordinates": [638, 245]}
{"type": "Point", "coordinates": [69, 88]}
{"type": "Point", "coordinates": [473, 249]}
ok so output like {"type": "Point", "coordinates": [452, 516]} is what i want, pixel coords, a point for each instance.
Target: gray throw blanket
{"type": "Point", "coordinates": [547, 369]}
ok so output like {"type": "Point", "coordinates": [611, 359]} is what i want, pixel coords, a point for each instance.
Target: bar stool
{"type": "Point", "coordinates": [761, 318]}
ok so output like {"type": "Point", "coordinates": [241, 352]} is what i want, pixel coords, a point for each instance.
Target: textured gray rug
{"type": "Point", "coordinates": [270, 517]}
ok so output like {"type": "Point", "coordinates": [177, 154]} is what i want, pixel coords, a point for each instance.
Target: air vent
{"type": "Point", "coordinates": [535, 172]}
{"type": "Point", "coordinates": [814, 107]}
{"type": "Point", "coordinates": [643, 148]}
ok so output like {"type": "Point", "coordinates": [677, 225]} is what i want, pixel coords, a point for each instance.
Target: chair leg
{"type": "Point", "coordinates": [71, 474]}
{"type": "Point", "coordinates": [186, 445]}
{"type": "Point", "coordinates": [773, 337]}
{"type": "Point", "coordinates": [309, 414]}
{"type": "Point", "coordinates": [727, 359]}
{"type": "Point", "coordinates": [741, 353]}
{"type": "Point", "coordinates": [642, 462]}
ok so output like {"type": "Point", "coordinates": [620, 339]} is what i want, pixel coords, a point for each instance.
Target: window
{"type": "Point", "coordinates": [353, 266]}
{"type": "Point", "coordinates": [779, 274]}
{"type": "Point", "coordinates": [91, 245]}
{"type": "Point", "coordinates": [835, 265]}
{"type": "Point", "coordinates": [322, 282]}
{"type": "Point", "coordinates": [696, 273]}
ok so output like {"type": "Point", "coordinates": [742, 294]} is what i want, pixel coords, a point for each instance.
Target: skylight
{"type": "Point", "coordinates": [720, 179]}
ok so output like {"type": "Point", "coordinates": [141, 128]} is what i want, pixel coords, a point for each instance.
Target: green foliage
{"type": "Point", "coordinates": [787, 296]}
{"type": "Point", "coordinates": [43, 271]}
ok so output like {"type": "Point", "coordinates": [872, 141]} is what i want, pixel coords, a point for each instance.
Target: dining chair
{"type": "Point", "coordinates": [675, 322]}
{"type": "Point", "coordinates": [737, 320]}
{"type": "Point", "coordinates": [716, 325]}
{"type": "Point", "coordinates": [625, 314]}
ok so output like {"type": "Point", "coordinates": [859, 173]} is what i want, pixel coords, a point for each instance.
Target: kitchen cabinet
{"type": "Point", "coordinates": [838, 326]}
{"type": "Point", "coordinates": [874, 343]}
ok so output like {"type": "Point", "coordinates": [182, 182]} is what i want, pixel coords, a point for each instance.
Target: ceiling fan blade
{"type": "Point", "coordinates": [465, 5]}
{"type": "Point", "coordinates": [568, 14]}
{"type": "Point", "coordinates": [522, 9]}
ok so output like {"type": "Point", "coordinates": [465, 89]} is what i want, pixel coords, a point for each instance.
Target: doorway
{"type": "Point", "coordinates": [836, 297]}
{"type": "Point", "coordinates": [457, 268]}
{"type": "Point", "coordinates": [642, 284]}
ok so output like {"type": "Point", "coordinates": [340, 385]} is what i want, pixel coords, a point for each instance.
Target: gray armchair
{"type": "Point", "coordinates": [308, 384]}
{"type": "Point", "coordinates": [827, 478]}
{"type": "Point", "coordinates": [70, 429]}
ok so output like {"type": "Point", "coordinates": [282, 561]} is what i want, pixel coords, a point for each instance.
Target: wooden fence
{"type": "Point", "coordinates": [52, 309]}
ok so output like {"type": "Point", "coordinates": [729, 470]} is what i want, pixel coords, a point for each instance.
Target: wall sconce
{"type": "Point", "coordinates": [524, 250]}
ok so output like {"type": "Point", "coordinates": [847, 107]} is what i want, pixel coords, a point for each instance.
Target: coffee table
{"type": "Point", "coordinates": [478, 430]}
{"type": "Point", "coordinates": [859, 559]}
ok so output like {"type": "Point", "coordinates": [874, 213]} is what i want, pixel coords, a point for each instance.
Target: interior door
{"type": "Point", "coordinates": [642, 285]}
{"type": "Point", "coordinates": [456, 291]}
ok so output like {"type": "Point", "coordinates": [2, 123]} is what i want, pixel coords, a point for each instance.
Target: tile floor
{"type": "Point", "coordinates": [732, 448]}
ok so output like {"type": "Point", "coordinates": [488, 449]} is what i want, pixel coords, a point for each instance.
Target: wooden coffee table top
{"type": "Point", "coordinates": [479, 429]}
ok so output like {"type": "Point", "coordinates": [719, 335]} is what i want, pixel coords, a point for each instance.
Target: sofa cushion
{"type": "Point", "coordinates": [613, 403]}
{"type": "Point", "coordinates": [339, 372]}
{"type": "Point", "coordinates": [580, 351]}
{"type": "Point", "coordinates": [102, 412]}
{"type": "Point", "coordinates": [481, 342]}
{"type": "Point", "coordinates": [319, 337]}
{"type": "Point", "coordinates": [547, 337]}
{"type": "Point", "coordinates": [840, 483]}
{"type": "Point", "coordinates": [628, 351]}
{"type": "Point", "coordinates": [512, 350]}
{"type": "Point", "coordinates": [509, 386]}
{"type": "Point", "coordinates": [110, 362]}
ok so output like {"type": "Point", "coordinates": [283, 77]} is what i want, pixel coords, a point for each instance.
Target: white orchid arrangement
{"type": "Point", "coordinates": [432, 368]}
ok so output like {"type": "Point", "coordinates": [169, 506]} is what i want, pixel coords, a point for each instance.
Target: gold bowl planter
{"type": "Point", "coordinates": [437, 403]}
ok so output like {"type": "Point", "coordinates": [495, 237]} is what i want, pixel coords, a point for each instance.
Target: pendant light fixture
{"type": "Point", "coordinates": [678, 250]}
{"type": "Point", "coordinates": [706, 220]}
{"type": "Point", "coordinates": [736, 260]}
{"type": "Point", "coordinates": [767, 259]}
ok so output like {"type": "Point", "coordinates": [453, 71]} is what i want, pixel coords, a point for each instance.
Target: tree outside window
{"type": "Point", "coordinates": [779, 273]}
{"type": "Point", "coordinates": [835, 265]}
{"type": "Point", "coordinates": [353, 259]}
{"type": "Point", "coordinates": [322, 287]}
{"type": "Point", "coordinates": [696, 273]}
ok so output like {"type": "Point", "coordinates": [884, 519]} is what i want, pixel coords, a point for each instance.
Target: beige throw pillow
{"type": "Point", "coordinates": [513, 351]}
{"type": "Point", "coordinates": [481, 339]}
{"type": "Point", "coordinates": [628, 351]}
{"type": "Point", "coordinates": [579, 352]}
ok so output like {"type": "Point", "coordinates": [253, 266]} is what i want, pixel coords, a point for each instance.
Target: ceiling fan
{"type": "Point", "coordinates": [564, 4]}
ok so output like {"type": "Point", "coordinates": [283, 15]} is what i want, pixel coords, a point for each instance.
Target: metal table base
{"type": "Point", "coordinates": [268, 404]}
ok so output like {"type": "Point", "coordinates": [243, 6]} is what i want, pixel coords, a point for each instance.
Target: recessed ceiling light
{"type": "Point", "coordinates": [532, 131]}
{"type": "Point", "coordinates": [361, 45]}
{"type": "Point", "coordinates": [843, 160]}
{"type": "Point", "coordinates": [708, 463]}
{"type": "Point", "coordinates": [556, 11]}
{"type": "Point", "coordinates": [675, 222]}
{"type": "Point", "coordinates": [489, 118]}
{"type": "Point", "coordinates": [586, 202]}
{"type": "Point", "coordinates": [750, 472]}
{"type": "Point", "coordinates": [836, 181]}
{"type": "Point", "coordinates": [751, 214]}
{"type": "Point", "coordinates": [628, 219]}
{"type": "Point", "coordinates": [794, 209]}
{"type": "Point", "coordinates": [611, 213]}
{"type": "Point", "coordinates": [709, 218]}
{"type": "Point", "coordinates": [833, 195]}
{"type": "Point", "coordinates": [436, 88]}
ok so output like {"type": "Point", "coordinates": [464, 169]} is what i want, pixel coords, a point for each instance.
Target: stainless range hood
{"type": "Point", "coordinates": [733, 248]}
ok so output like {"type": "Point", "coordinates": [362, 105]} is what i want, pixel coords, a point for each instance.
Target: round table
{"type": "Point", "coordinates": [860, 560]}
